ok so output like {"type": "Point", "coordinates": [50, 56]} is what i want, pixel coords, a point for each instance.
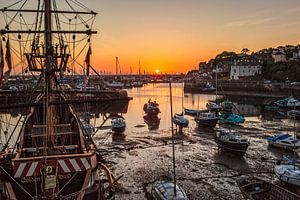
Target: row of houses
{"type": "Point", "coordinates": [238, 66]}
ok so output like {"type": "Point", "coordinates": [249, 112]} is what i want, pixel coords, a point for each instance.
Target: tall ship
{"type": "Point", "coordinates": [53, 155]}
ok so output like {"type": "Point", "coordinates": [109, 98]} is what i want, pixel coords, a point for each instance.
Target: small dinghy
{"type": "Point", "coordinates": [118, 124]}
{"type": "Point", "coordinates": [258, 189]}
{"type": "Point", "coordinates": [288, 173]}
{"type": "Point", "coordinates": [289, 102]}
{"type": "Point", "coordinates": [213, 107]}
{"type": "Point", "coordinates": [208, 119]}
{"type": "Point", "coordinates": [151, 108]}
{"type": "Point", "coordinates": [231, 140]}
{"type": "Point", "coordinates": [231, 118]}
{"type": "Point", "coordinates": [284, 141]}
{"type": "Point", "coordinates": [180, 120]}
{"type": "Point", "coordinates": [163, 190]}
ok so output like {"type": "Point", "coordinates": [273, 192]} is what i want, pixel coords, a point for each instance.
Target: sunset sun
{"type": "Point", "coordinates": [157, 71]}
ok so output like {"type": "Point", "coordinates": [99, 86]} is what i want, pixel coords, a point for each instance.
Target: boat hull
{"type": "Point", "coordinates": [120, 129]}
{"type": "Point", "coordinates": [231, 146]}
{"type": "Point", "coordinates": [207, 122]}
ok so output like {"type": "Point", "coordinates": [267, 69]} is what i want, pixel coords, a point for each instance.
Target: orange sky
{"type": "Point", "coordinates": [175, 35]}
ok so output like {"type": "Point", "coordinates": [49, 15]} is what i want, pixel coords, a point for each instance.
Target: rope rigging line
{"type": "Point", "coordinates": [79, 16]}
{"type": "Point", "coordinates": [8, 24]}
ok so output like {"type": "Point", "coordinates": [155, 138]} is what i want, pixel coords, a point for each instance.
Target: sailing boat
{"type": "Point", "coordinates": [213, 106]}
{"type": "Point", "coordinates": [168, 190]}
{"type": "Point", "coordinates": [54, 156]}
{"type": "Point", "coordinates": [288, 172]}
{"type": "Point", "coordinates": [179, 119]}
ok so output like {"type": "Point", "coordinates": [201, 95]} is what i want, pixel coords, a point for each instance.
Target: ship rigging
{"type": "Point", "coordinates": [53, 155]}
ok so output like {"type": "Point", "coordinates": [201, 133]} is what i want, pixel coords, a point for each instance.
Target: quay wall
{"type": "Point", "coordinates": [247, 88]}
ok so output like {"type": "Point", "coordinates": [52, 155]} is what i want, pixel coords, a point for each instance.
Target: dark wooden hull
{"type": "Point", "coordinates": [257, 189]}
{"type": "Point", "coordinates": [207, 122]}
{"type": "Point", "coordinates": [232, 146]}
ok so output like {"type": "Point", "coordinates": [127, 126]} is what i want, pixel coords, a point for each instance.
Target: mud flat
{"type": "Point", "coordinates": [202, 171]}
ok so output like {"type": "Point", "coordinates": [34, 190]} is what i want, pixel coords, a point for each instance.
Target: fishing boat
{"type": "Point", "coordinates": [227, 106]}
{"type": "Point", "coordinates": [231, 140]}
{"type": "Point", "coordinates": [54, 155]}
{"type": "Point", "coordinates": [151, 108]}
{"type": "Point", "coordinates": [180, 120]}
{"type": "Point", "coordinates": [214, 107]}
{"type": "Point", "coordinates": [293, 114]}
{"type": "Point", "coordinates": [288, 103]}
{"type": "Point", "coordinates": [258, 189]}
{"type": "Point", "coordinates": [168, 190]}
{"type": "Point", "coordinates": [208, 119]}
{"type": "Point", "coordinates": [284, 141]}
{"type": "Point", "coordinates": [193, 112]}
{"type": "Point", "coordinates": [231, 118]}
{"type": "Point", "coordinates": [118, 124]}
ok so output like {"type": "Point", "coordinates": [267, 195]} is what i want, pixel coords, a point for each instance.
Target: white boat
{"type": "Point", "coordinates": [289, 102]}
{"type": "Point", "coordinates": [288, 174]}
{"type": "Point", "coordinates": [284, 141]}
{"type": "Point", "coordinates": [293, 114]}
{"type": "Point", "coordinates": [163, 190]}
{"type": "Point", "coordinates": [114, 84]}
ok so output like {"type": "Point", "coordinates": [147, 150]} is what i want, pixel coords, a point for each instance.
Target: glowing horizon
{"type": "Point", "coordinates": [174, 35]}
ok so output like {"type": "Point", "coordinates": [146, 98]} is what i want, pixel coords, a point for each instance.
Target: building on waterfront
{"type": "Point", "coordinates": [245, 67]}
{"type": "Point", "coordinates": [279, 57]}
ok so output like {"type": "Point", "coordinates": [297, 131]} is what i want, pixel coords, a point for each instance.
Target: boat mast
{"type": "Point", "coordinates": [173, 141]}
{"type": "Point", "coordinates": [216, 83]}
{"type": "Point", "coordinates": [48, 72]}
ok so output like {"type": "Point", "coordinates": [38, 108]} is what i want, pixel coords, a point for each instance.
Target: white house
{"type": "Point", "coordinates": [279, 57]}
{"type": "Point", "coordinates": [245, 68]}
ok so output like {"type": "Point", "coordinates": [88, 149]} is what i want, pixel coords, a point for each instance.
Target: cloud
{"type": "Point", "coordinates": [249, 22]}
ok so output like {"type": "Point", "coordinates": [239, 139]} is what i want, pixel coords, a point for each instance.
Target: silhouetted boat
{"type": "Point", "coordinates": [151, 108]}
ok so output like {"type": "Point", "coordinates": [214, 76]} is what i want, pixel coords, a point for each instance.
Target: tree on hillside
{"type": "Point", "coordinates": [245, 51]}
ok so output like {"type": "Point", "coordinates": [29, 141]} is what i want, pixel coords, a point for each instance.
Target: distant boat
{"type": "Point", "coordinates": [137, 84]}
{"type": "Point", "coordinates": [227, 106]}
{"type": "Point", "coordinates": [284, 141]}
{"type": "Point", "coordinates": [208, 119]}
{"type": "Point", "coordinates": [258, 189]}
{"type": "Point", "coordinates": [118, 124]}
{"type": "Point", "coordinates": [289, 103]}
{"type": "Point", "coordinates": [293, 114]}
{"type": "Point", "coordinates": [180, 120]}
{"type": "Point", "coordinates": [193, 112]}
{"type": "Point", "coordinates": [114, 85]}
{"type": "Point", "coordinates": [163, 190]}
{"type": "Point", "coordinates": [231, 118]}
{"type": "Point", "coordinates": [232, 141]}
{"type": "Point", "coordinates": [151, 108]}
{"type": "Point", "coordinates": [213, 107]}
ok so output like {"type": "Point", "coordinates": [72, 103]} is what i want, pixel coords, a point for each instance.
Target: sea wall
{"type": "Point", "coordinates": [247, 88]}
